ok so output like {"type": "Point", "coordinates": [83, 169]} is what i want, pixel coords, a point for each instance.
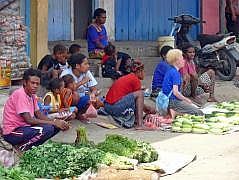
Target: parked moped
{"type": "Point", "coordinates": [218, 52]}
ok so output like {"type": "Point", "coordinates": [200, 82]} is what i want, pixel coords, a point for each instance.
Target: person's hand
{"type": "Point", "coordinates": [85, 80]}
{"type": "Point", "coordinates": [63, 125]}
{"type": "Point", "coordinates": [92, 97]}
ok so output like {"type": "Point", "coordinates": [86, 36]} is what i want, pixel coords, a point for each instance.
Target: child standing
{"type": "Point", "coordinates": [172, 84]}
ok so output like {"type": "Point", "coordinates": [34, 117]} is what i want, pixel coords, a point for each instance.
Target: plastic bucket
{"type": "Point", "coordinates": [5, 73]}
{"type": "Point", "coordinates": [166, 41]}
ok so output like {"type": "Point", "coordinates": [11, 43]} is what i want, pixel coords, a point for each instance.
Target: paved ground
{"type": "Point", "coordinates": [217, 155]}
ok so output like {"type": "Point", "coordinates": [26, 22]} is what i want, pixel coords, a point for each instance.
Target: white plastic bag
{"type": "Point", "coordinates": [7, 158]}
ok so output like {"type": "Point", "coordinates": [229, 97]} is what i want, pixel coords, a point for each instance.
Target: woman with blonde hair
{"type": "Point", "coordinates": [172, 85]}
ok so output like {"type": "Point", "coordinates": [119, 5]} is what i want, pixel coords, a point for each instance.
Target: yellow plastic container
{"type": "Point", "coordinates": [5, 73]}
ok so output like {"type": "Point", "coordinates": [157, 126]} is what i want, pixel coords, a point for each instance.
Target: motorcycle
{"type": "Point", "coordinates": [218, 52]}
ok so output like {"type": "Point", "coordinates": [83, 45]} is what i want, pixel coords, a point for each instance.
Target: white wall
{"type": "Point", "coordinates": [109, 6]}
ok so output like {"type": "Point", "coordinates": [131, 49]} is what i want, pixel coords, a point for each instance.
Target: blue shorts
{"type": "Point", "coordinates": [83, 102]}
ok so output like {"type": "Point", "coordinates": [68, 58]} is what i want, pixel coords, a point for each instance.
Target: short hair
{"type": "Point", "coordinates": [98, 12]}
{"type": "Point", "coordinates": [109, 49]}
{"type": "Point", "coordinates": [59, 48]}
{"type": "Point", "coordinates": [137, 66]}
{"type": "Point", "coordinates": [164, 50]}
{"type": "Point", "coordinates": [68, 79]}
{"type": "Point", "coordinates": [31, 72]}
{"type": "Point", "coordinates": [55, 84]}
{"type": "Point", "coordinates": [76, 59]}
{"type": "Point", "coordinates": [74, 48]}
{"type": "Point", "coordinates": [173, 55]}
{"type": "Point", "coordinates": [186, 46]}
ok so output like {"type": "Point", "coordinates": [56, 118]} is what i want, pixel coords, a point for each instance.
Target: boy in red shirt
{"type": "Point", "coordinates": [125, 100]}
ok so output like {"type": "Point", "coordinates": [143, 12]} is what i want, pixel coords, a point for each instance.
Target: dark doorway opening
{"type": "Point", "coordinates": [82, 17]}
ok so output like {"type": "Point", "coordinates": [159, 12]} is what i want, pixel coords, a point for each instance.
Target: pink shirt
{"type": "Point", "coordinates": [19, 102]}
{"type": "Point", "coordinates": [188, 68]}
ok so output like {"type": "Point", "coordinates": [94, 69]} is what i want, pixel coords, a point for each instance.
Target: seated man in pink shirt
{"type": "Point", "coordinates": [194, 84]}
{"type": "Point", "coordinates": [24, 125]}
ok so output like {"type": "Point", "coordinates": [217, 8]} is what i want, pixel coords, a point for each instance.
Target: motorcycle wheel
{"type": "Point", "coordinates": [228, 69]}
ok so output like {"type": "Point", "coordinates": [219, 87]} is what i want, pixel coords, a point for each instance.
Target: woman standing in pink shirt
{"type": "Point", "coordinates": [24, 125]}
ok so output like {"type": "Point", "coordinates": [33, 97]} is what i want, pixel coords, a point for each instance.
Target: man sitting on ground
{"type": "Point", "coordinates": [125, 100]}
{"type": "Point", "coordinates": [160, 71]}
{"type": "Point", "coordinates": [96, 35]}
{"type": "Point", "coordinates": [24, 125]}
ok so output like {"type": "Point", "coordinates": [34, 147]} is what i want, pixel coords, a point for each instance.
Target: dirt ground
{"type": "Point", "coordinates": [217, 155]}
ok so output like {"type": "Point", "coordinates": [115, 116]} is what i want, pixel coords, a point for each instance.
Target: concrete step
{"type": "Point", "coordinates": [133, 48]}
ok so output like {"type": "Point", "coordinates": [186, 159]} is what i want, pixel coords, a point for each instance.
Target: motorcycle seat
{"type": "Point", "coordinates": [205, 39]}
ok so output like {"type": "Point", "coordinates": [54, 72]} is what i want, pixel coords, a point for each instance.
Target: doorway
{"type": "Point", "coordinates": [82, 17]}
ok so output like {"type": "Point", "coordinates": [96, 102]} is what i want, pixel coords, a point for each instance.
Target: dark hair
{"type": "Point", "coordinates": [59, 48]}
{"type": "Point", "coordinates": [68, 79]}
{"type": "Point", "coordinates": [31, 72]}
{"type": "Point", "coordinates": [55, 84]}
{"type": "Point", "coordinates": [137, 66]}
{"type": "Point", "coordinates": [109, 49]}
{"type": "Point", "coordinates": [98, 12]}
{"type": "Point", "coordinates": [185, 47]}
{"type": "Point", "coordinates": [164, 50]}
{"type": "Point", "coordinates": [74, 48]}
{"type": "Point", "coordinates": [76, 59]}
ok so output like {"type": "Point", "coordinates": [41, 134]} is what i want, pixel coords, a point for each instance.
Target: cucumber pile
{"type": "Point", "coordinates": [215, 123]}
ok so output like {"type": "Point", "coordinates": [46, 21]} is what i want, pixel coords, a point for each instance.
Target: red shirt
{"type": "Point", "coordinates": [122, 87]}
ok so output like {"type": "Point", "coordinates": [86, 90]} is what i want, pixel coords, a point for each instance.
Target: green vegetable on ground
{"type": "Point", "coordinates": [130, 148]}
{"type": "Point", "coordinates": [15, 173]}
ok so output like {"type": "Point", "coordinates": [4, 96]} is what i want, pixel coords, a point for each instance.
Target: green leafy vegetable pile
{"type": "Point", "coordinates": [130, 148]}
{"type": "Point", "coordinates": [64, 160]}
{"type": "Point", "coordinates": [15, 174]}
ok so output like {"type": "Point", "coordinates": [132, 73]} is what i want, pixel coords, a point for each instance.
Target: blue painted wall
{"type": "Point", "coordinates": [59, 20]}
{"type": "Point", "coordinates": [148, 19]}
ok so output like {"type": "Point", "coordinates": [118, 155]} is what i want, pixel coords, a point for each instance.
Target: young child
{"type": "Point", "coordinates": [160, 71]}
{"type": "Point", "coordinates": [53, 100]}
{"type": "Point", "coordinates": [109, 63]}
{"type": "Point", "coordinates": [69, 95]}
{"type": "Point", "coordinates": [172, 84]}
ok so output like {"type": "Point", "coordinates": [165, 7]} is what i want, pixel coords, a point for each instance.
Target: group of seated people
{"type": "Point", "coordinates": [73, 88]}
{"type": "Point", "coordinates": [178, 77]}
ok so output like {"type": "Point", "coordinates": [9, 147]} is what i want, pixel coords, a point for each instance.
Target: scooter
{"type": "Point", "coordinates": [218, 52]}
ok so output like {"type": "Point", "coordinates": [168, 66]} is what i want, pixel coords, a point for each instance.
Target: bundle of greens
{"type": "Point", "coordinates": [15, 174]}
{"type": "Point", "coordinates": [130, 148]}
{"type": "Point", "coordinates": [64, 160]}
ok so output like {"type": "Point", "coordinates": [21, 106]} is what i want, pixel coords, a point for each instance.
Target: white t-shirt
{"type": "Point", "coordinates": [82, 89]}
